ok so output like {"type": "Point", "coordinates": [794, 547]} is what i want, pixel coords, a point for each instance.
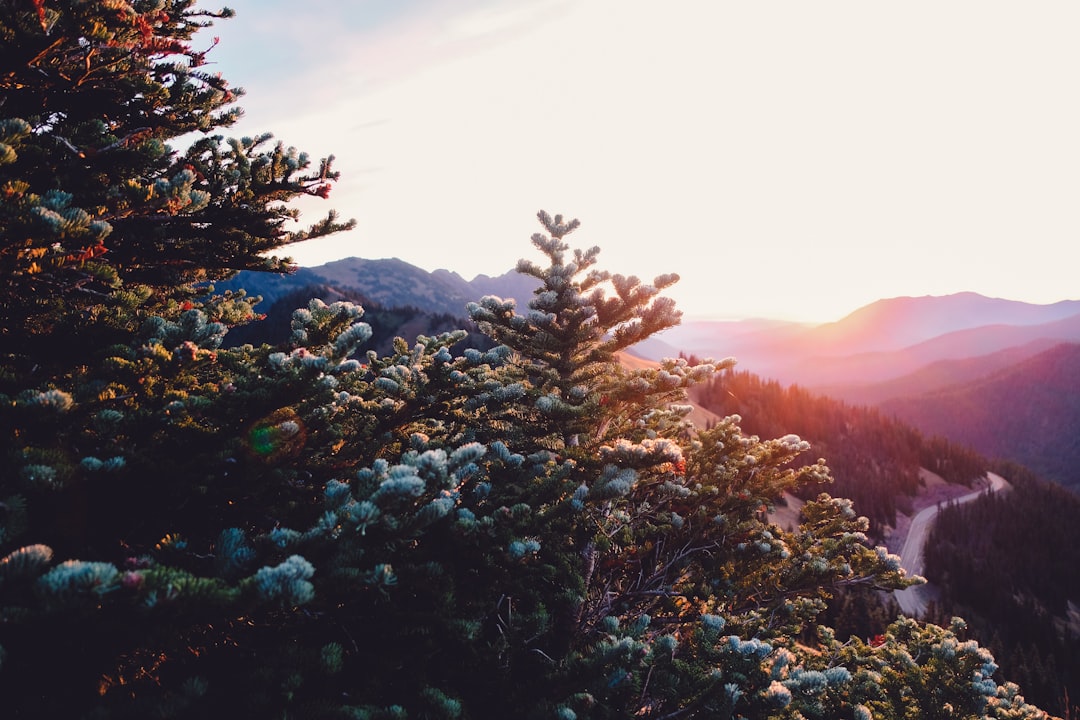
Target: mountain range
{"type": "Point", "coordinates": [984, 371]}
{"type": "Point", "coordinates": [883, 341]}
{"type": "Point", "coordinates": [389, 283]}
{"type": "Point", "coordinates": [1000, 376]}
{"type": "Point", "coordinates": [1028, 412]}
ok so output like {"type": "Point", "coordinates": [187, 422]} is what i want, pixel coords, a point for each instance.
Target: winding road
{"type": "Point", "coordinates": [913, 600]}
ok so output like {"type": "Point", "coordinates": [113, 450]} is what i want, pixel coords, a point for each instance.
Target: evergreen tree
{"type": "Point", "coordinates": [103, 223]}
{"type": "Point", "coordinates": [304, 531]}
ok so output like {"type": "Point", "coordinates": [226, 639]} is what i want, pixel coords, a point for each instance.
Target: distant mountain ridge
{"type": "Point", "coordinates": [882, 341]}
{"type": "Point", "coordinates": [906, 344]}
{"type": "Point", "coordinates": [863, 353]}
{"type": "Point", "coordinates": [936, 376]}
{"type": "Point", "coordinates": [391, 282]}
{"type": "Point", "coordinates": [896, 323]}
{"type": "Point", "coordinates": [956, 345]}
{"type": "Point", "coordinates": [1000, 376]}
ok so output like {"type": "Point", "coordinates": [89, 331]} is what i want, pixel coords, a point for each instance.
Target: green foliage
{"type": "Point", "coordinates": [424, 533]}
{"type": "Point", "coordinates": [101, 219]}
{"type": "Point", "coordinates": [875, 459]}
{"type": "Point", "coordinates": [525, 530]}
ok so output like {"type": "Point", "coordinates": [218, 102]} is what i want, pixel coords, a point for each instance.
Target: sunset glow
{"type": "Point", "coordinates": [788, 160]}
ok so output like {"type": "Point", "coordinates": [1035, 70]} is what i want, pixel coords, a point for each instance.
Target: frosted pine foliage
{"type": "Point", "coordinates": [777, 695]}
{"type": "Point", "coordinates": [713, 623]}
{"type": "Point", "coordinates": [794, 443]}
{"type": "Point", "coordinates": [614, 482]}
{"type": "Point", "coordinates": [467, 454]}
{"type": "Point", "coordinates": [752, 647]}
{"type": "Point", "coordinates": [519, 549]}
{"type": "Point", "coordinates": [528, 530]}
{"type": "Point", "coordinates": [57, 401]}
{"type": "Point", "coordinates": [782, 661]}
{"type": "Point", "coordinates": [647, 451]}
{"type": "Point", "coordinates": [284, 538]}
{"type": "Point", "coordinates": [402, 486]}
{"type": "Point", "coordinates": [287, 583]}
{"type": "Point", "coordinates": [350, 339]}
{"type": "Point", "coordinates": [435, 510]}
{"type": "Point", "coordinates": [233, 554]}
{"type": "Point", "coordinates": [382, 575]}
{"type": "Point", "coordinates": [91, 464]}
{"type": "Point", "coordinates": [361, 514]}
{"type": "Point", "coordinates": [888, 559]}
{"type": "Point", "coordinates": [26, 561]}
{"type": "Point", "coordinates": [78, 578]}
{"type": "Point", "coordinates": [193, 326]}
{"type": "Point", "coordinates": [337, 494]}
{"type": "Point", "coordinates": [807, 681]}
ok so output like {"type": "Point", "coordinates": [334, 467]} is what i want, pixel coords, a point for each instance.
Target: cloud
{"type": "Point", "coordinates": [502, 20]}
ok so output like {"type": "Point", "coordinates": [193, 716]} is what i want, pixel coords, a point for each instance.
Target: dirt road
{"type": "Point", "coordinates": [913, 601]}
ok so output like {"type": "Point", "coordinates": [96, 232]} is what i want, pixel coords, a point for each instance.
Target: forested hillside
{"type": "Point", "coordinates": [1007, 563]}
{"type": "Point", "coordinates": [1028, 413]}
{"type": "Point", "coordinates": [874, 459]}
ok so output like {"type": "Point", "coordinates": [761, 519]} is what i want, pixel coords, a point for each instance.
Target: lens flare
{"type": "Point", "coordinates": [279, 435]}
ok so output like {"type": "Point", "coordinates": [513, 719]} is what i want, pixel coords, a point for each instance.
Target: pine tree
{"type": "Point", "coordinates": [309, 530]}
{"type": "Point", "coordinates": [102, 219]}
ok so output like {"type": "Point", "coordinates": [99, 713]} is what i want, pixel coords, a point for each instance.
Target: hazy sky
{"type": "Point", "coordinates": [787, 158]}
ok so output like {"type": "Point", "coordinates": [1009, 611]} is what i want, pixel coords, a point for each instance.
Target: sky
{"type": "Point", "coordinates": [788, 159]}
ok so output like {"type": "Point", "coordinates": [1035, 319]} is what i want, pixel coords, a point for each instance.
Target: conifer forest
{"type": "Point", "coordinates": [524, 528]}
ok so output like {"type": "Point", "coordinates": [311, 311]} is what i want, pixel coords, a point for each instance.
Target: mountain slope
{"type": "Point", "coordinates": [816, 371]}
{"type": "Point", "coordinates": [882, 341]}
{"type": "Point", "coordinates": [898, 323]}
{"type": "Point", "coordinates": [936, 376]}
{"type": "Point", "coordinates": [872, 457]}
{"type": "Point", "coordinates": [390, 283]}
{"type": "Point", "coordinates": [1028, 413]}
{"type": "Point", "coordinates": [876, 460]}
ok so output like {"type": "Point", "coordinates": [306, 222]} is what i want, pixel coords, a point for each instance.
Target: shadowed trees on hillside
{"type": "Point", "coordinates": [1007, 562]}
{"type": "Point", "coordinates": [875, 459]}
